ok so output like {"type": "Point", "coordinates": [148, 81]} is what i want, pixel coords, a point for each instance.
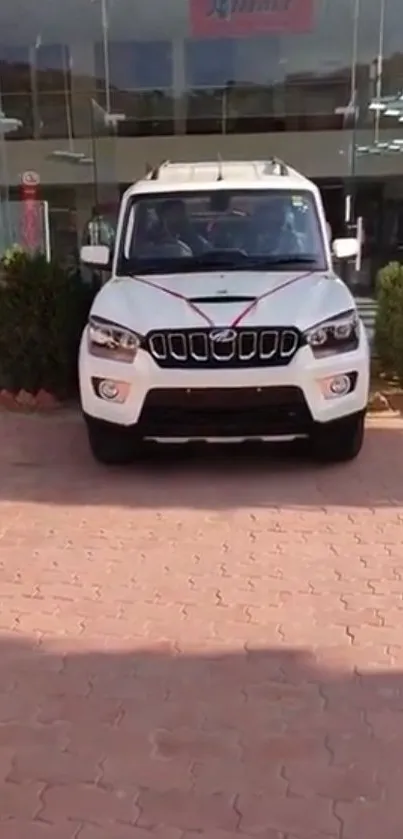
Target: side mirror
{"type": "Point", "coordinates": [345, 248]}
{"type": "Point", "coordinates": [95, 256]}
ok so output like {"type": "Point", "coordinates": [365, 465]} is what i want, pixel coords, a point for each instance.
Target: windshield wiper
{"type": "Point", "coordinates": [220, 260]}
{"type": "Point", "coordinates": [282, 259]}
{"type": "Point", "coordinates": [234, 259]}
{"type": "Point", "coordinates": [230, 259]}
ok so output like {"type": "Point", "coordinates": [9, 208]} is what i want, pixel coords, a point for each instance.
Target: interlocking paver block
{"type": "Point", "coordinates": [204, 647]}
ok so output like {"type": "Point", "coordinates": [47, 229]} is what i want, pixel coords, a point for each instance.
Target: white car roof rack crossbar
{"type": "Point", "coordinates": [219, 170]}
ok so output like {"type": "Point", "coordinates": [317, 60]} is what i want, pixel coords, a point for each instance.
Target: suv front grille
{"type": "Point", "coordinates": [188, 348]}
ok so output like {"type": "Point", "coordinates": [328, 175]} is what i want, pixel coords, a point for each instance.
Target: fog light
{"type": "Point", "coordinates": [108, 389]}
{"type": "Point", "coordinates": [337, 386]}
{"type": "Point", "coordinates": [111, 390]}
{"type": "Point", "coordinates": [340, 385]}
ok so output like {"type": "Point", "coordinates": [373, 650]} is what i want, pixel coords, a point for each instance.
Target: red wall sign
{"type": "Point", "coordinates": [244, 18]}
{"type": "Point", "coordinates": [31, 222]}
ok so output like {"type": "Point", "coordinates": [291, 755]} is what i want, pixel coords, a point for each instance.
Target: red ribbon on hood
{"type": "Point", "coordinates": [249, 308]}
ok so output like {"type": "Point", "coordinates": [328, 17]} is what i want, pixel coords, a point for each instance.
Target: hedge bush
{"type": "Point", "coordinates": [43, 309]}
{"type": "Point", "coordinates": [389, 319]}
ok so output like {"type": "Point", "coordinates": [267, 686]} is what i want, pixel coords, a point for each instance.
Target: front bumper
{"type": "Point", "coordinates": [240, 403]}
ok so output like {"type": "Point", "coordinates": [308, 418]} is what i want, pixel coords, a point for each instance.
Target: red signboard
{"type": "Point", "coordinates": [245, 18]}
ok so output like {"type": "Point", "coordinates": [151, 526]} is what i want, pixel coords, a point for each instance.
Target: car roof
{"type": "Point", "coordinates": [220, 175]}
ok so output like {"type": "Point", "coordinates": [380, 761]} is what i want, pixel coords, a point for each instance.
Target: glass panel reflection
{"type": "Point", "coordinates": [147, 112]}
{"type": "Point", "coordinates": [53, 115]}
{"type": "Point", "coordinates": [136, 65]}
{"type": "Point", "coordinates": [15, 69]}
{"type": "Point", "coordinates": [51, 64]}
{"type": "Point", "coordinates": [19, 106]}
{"type": "Point", "coordinates": [227, 81]}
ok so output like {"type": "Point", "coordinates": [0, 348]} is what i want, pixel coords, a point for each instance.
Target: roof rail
{"type": "Point", "coordinates": [153, 172]}
{"type": "Point", "coordinates": [282, 167]}
{"type": "Point", "coordinates": [272, 165]}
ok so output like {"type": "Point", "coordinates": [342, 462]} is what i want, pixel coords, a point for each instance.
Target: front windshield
{"type": "Point", "coordinates": [222, 229]}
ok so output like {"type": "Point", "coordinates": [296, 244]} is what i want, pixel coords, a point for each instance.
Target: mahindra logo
{"type": "Point", "coordinates": [222, 336]}
{"type": "Point", "coordinates": [225, 9]}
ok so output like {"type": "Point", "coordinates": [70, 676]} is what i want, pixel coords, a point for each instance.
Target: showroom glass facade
{"type": "Point", "coordinates": [169, 79]}
{"type": "Point", "coordinates": [189, 77]}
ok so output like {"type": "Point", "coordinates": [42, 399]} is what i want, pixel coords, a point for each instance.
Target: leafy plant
{"type": "Point", "coordinates": [43, 310]}
{"type": "Point", "coordinates": [389, 319]}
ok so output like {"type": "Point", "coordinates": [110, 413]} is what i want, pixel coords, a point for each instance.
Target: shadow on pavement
{"type": "Point", "coordinates": [46, 460]}
{"type": "Point", "coordinates": [263, 743]}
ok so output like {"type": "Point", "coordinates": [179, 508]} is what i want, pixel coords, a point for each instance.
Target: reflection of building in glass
{"type": "Point", "coordinates": [202, 78]}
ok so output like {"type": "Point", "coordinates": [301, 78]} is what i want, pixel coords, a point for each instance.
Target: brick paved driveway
{"type": "Point", "coordinates": [201, 649]}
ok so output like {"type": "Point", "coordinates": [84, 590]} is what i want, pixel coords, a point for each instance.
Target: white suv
{"type": "Point", "coordinates": [223, 319]}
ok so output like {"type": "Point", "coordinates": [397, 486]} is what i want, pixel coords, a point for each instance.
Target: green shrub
{"type": "Point", "coordinates": [43, 309]}
{"type": "Point", "coordinates": [389, 319]}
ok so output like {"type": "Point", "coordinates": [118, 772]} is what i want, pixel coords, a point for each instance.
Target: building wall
{"type": "Point", "coordinates": [318, 154]}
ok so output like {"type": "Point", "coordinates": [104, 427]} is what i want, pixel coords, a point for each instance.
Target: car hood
{"type": "Point", "coordinates": [294, 298]}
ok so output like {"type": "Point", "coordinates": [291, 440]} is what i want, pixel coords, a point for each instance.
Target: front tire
{"type": "Point", "coordinates": [339, 441]}
{"type": "Point", "coordinates": [111, 445]}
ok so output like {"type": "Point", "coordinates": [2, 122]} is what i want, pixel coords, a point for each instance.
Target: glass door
{"type": "Point", "coordinates": [333, 197]}
{"type": "Point", "coordinates": [369, 205]}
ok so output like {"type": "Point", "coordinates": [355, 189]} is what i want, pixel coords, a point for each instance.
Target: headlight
{"type": "Point", "coordinates": [108, 340]}
{"type": "Point", "coordinates": [337, 335]}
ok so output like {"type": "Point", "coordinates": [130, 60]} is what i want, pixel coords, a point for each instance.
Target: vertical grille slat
{"type": "Point", "coordinates": [177, 346]}
{"type": "Point", "coordinates": [247, 345]}
{"type": "Point", "coordinates": [268, 344]}
{"type": "Point", "coordinates": [288, 343]}
{"type": "Point", "coordinates": [158, 346]}
{"type": "Point", "coordinates": [197, 348]}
